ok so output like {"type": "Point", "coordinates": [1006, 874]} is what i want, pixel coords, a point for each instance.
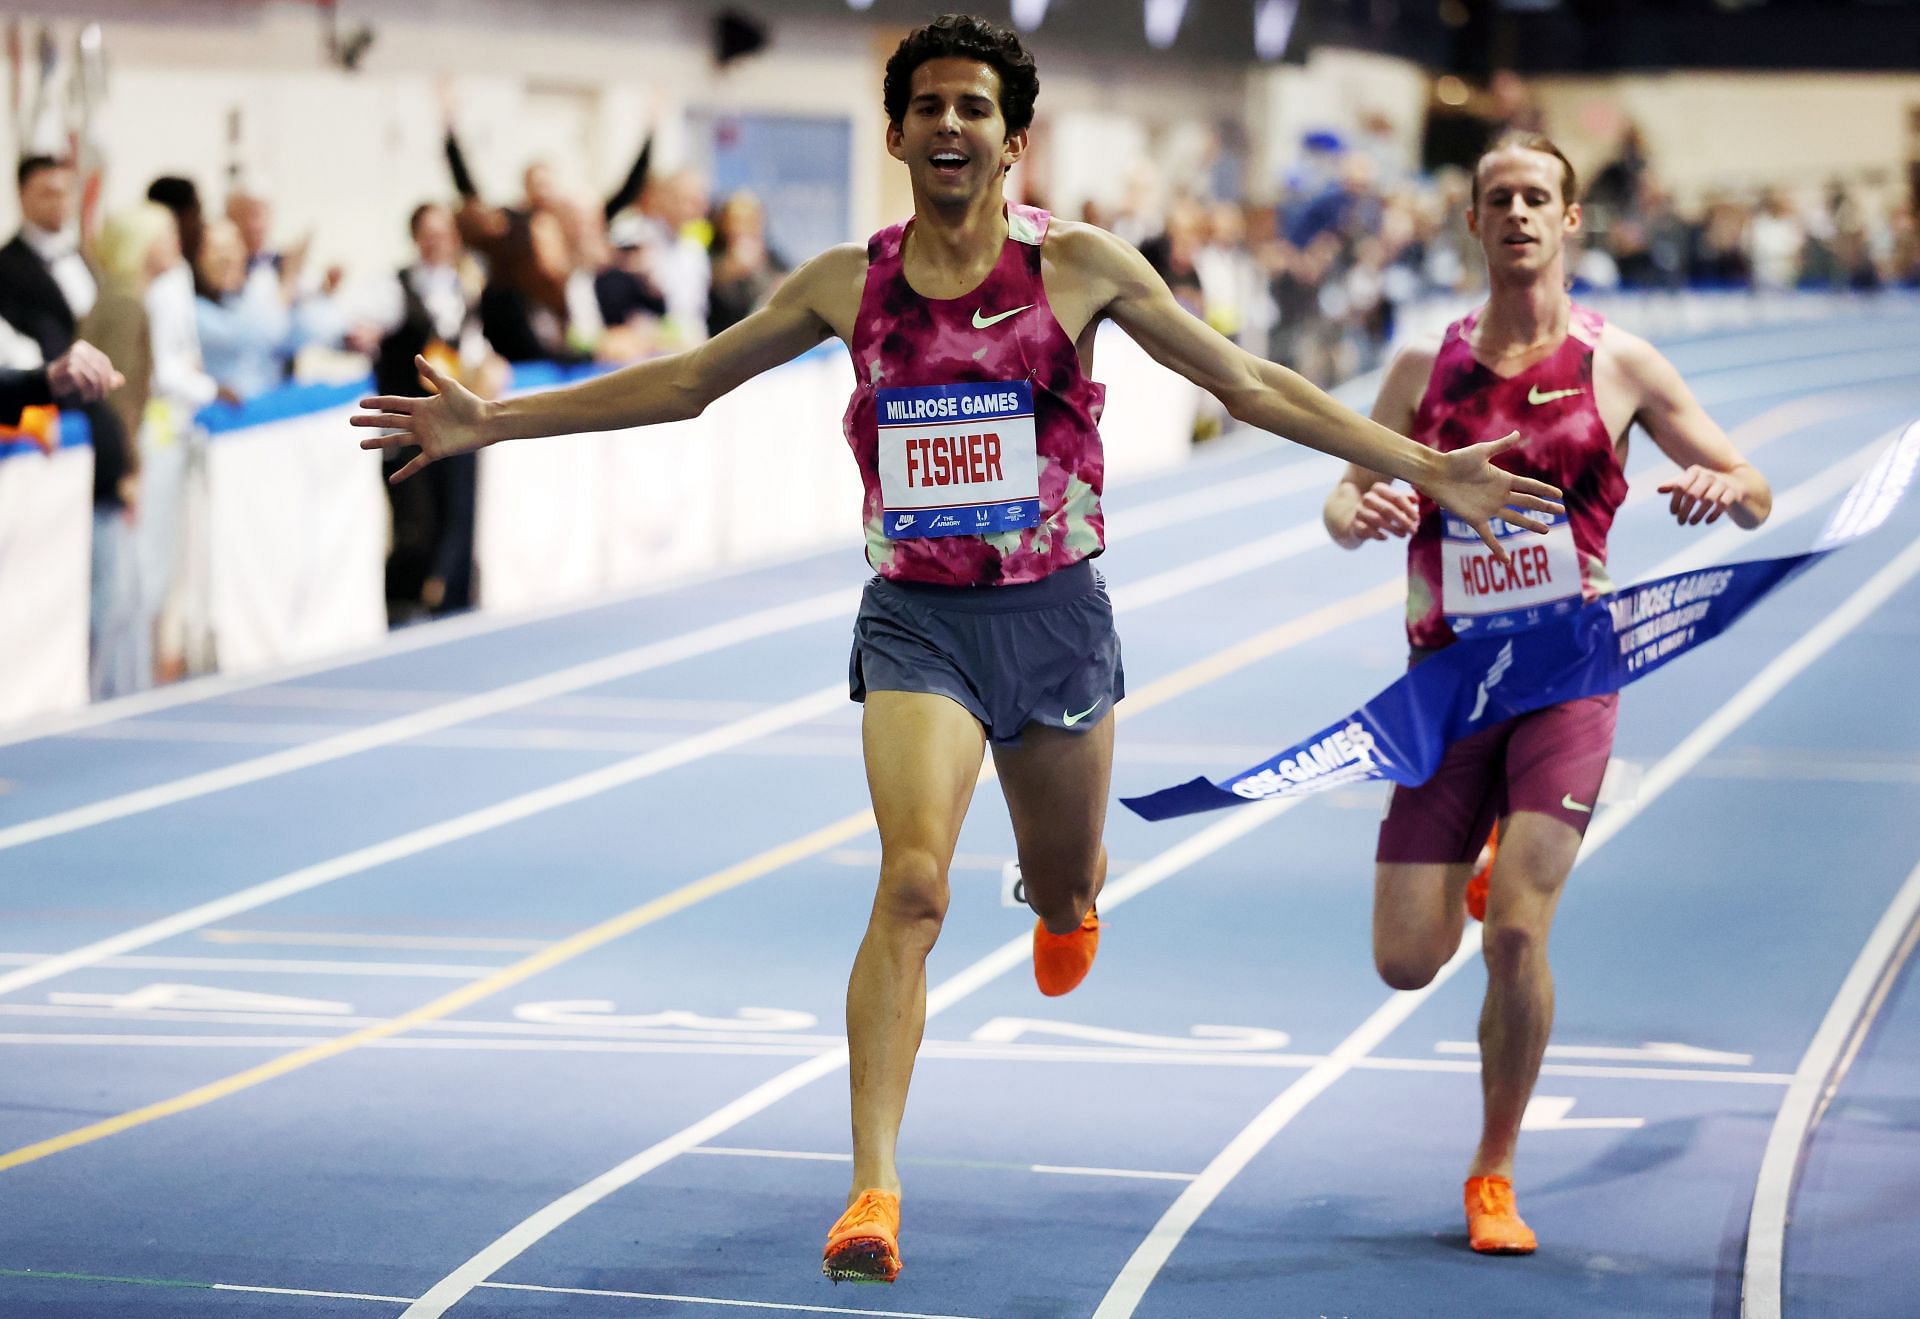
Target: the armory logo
{"type": "Point", "coordinates": [1346, 755]}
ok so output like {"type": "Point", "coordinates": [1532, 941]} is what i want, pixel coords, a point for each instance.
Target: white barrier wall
{"type": "Point", "coordinates": [46, 553]}
{"type": "Point", "coordinates": [296, 542]}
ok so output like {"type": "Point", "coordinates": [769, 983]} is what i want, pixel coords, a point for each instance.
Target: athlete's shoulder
{"type": "Point", "coordinates": [837, 262]}
{"type": "Point", "coordinates": [1624, 351]}
{"type": "Point", "coordinates": [1087, 248]}
{"type": "Point", "coordinates": [1413, 361]}
{"type": "Point", "coordinates": [828, 279]}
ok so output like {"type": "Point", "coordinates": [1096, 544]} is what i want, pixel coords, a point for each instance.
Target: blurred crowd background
{"type": "Point", "coordinates": [204, 299]}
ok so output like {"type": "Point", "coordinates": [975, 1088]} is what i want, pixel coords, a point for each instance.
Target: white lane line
{"type": "Point", "coordinates": [803, 1156]}
{"type": "Point", "coordinates": [1115, 1172]}
{"type": "Point", "coordinates": [452, 943]}
{"type": "Point", "coordinates": [578, 788]}
{"type": "Point", "coordinates": [931, 1050]}
{"type": "Point", "coordinates": [271, 966]}
{"type": "Point", "coordinates": [399, 700]}
{"type": "Point", "coordinates": [497, 1255]}
{"type": "Point", "coordinates": [302, 1291]}
{"type": "Point", "coordinates": [1059, 1169]}
{"type": "Point", "coordinates": [1814, 1083]}
{"type": "Point", "coordinates": [712, 1300]}
{"type": "Point", "coordinates": [1124, 1296]}
{"type": "Point", "coordinates": [691, 645]}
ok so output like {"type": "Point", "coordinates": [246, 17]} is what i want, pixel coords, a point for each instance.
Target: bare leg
{"type": "Point", "coordinates": [1056, 785]}
{"type": "Point", "coordinates": [923, 758]}
{"type": "Point", "coordinates": [1419, 909]}
{"type": "Point", "coordinates": [1536, 855]}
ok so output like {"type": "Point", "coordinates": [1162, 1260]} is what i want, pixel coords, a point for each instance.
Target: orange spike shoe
{"type": "Point", "coordinates": [1494, 1225]}
{"type": "Point", "coordinates": [864, 1246]}
{"type": "Point", "coordinates": [1061, 961]}
{"type": "Point", "coordinates": [1477, 886]}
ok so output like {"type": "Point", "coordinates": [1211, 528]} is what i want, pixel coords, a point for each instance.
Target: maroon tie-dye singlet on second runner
{"type": "Point", "coordinates": [1002, 332]}
{"type": "Point", "coordinates": [1566, 443]}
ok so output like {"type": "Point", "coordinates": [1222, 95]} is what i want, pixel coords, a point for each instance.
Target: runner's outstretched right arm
{"type": "Point", "coordinates": [811, 305]}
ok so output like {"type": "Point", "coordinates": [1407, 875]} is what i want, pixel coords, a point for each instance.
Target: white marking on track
{"type": "Point", "coordinates": [1550, 1113]}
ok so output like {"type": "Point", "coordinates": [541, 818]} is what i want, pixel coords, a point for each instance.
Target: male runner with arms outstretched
{"type": "Point", "coordinates": [1531, 359]}
{"type": "Point", "coordinates": [973, 423]}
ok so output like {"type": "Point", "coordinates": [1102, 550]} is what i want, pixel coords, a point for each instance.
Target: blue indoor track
{"type": "Point", "coordinates": [500, 971]}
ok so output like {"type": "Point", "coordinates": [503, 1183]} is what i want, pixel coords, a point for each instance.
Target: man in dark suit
{"type": "Point", "coordinates": [45, 288]}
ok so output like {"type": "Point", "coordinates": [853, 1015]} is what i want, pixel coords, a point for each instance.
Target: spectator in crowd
{"type": "Point", "coordinates": [523, 309]}
{"type": "Point", "coordinates": [171, 443]}
{"type": "Point", "coordinates": [1175, 251]}
{"type": "Point", "coordinates": [434, 313]}
{"type": "Point", "coordinates": [1719, 257]}
{"type": "Point", "coordinates": [488, 229]}
{"type": "Point", "coordinates": [677, 234]}
{"type": "Point", "coordinates": [180, 379]}
{"type": "Point", "coordinates": [1649, 241]}
{"type": "Point", "coordinates": [630, 302]}
{"type": "Point", "coordinates": [1776, 241]}
{"type": "Point", "coordinates": [584, 230]}
{"type": "Point", "coordinates": [1232, 284]}
{"type": "Point", "coordinates": [746, 270]}
{"type": "Point", "coordinates": [46, 288]}
{"type": "Point", "coordinates": [134, 246]}
{"type": "Point", "coordinates": [246, 330]}
{"type": "Point", "coordinates": [315, 315]}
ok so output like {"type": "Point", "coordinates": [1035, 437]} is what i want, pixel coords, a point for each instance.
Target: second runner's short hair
{"type": "Point", "coordinates": [1569, 182]}
{"type": "Point", "coordinates": [962, 36]}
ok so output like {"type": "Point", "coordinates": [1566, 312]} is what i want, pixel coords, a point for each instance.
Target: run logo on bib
{"type": "Point", "coordinates": [958, 460]}
{"type": "Point", "coordinates": [1480, 594]}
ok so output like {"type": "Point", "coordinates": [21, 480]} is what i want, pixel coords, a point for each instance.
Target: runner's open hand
{"type": "Point", "coordinates": [1472, 489]}
{"type": "Point", "coordinates": [1699, 494]}
{"type": "Point", "coordinates": [1385, 512]}
{"type": "Point", "coordinates": [442, 425]}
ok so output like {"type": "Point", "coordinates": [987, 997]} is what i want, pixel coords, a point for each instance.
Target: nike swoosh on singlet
{"type": "Point", "coordinates": [1566, 800]}
{"type": "Point", "coordinates": [1535, 397]}
{"type": "Point", "coordinates": [982, 322]}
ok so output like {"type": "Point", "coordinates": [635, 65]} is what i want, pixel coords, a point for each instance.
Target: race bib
{"type": "Point", "coordinates": [1480, 594]}
{"type": "Point", "coordinates": [958, 460]}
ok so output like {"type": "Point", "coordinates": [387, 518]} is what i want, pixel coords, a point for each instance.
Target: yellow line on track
{"type": "Point", "coordinates": [1216, 666]}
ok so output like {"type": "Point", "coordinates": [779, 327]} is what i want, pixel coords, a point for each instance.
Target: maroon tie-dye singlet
{"type": "Point", "coordinates": [1001, 333]}
{"type": "Point", "coordinates": [1566, 443]}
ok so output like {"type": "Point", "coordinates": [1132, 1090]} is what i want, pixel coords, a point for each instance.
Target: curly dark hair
{"type": "Point", "coordinates": [962, 36]}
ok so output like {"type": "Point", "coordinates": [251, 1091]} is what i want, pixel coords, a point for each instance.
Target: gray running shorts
{"type": "Point", "coordinates": [1041, 651]}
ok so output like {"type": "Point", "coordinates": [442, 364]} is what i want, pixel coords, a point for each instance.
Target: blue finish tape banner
{"type": "Point", "coordinates": [1402, 733]}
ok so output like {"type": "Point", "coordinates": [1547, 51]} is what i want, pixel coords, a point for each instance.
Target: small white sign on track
{"type": "Point", "coordinates": [1549, 1113]}
{"type": "Point", "coordinates": [599, 1012]}
{"type": "Point", "coordinates": [200, 998]}
{"type": "Point", "coordinates": [1208, 1039]}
